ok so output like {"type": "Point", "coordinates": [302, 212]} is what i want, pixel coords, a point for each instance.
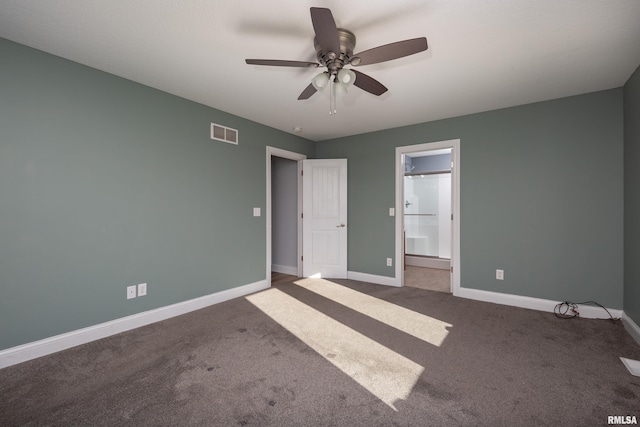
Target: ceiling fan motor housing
{"type": "Point", "coordinates": [334, 61]}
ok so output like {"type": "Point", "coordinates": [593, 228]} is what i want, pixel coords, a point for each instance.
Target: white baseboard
{"type": "Point", "coordinates": [586, 311]}
{"type": "Point", "coordinates": [33, 350]}
{"type": "Point", "coordinates": [442, 264]}
{"type": "Point", "coordinates": [631, 327]}
{"type": "Point", "coordinates": [284, 269]}
{"type": "Point", "coordinates": [372, 278]}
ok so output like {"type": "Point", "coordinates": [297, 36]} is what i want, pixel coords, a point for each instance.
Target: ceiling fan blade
{"type": "Point", "coordinates": [391, 51]}
{"type": "Point", "coordinates": [326, 31]}
{"type": "Point", "coordinates": [368, 83]}
{"type": "Point", "coordinates": [306, 94]}
{"type": "Point", "coordinates": [280, 63]}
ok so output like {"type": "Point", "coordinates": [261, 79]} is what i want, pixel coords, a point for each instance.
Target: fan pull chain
{"type": "Point", "coordinates": [332, 95]}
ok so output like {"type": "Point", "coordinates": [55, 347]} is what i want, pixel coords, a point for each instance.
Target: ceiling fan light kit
{"type": "Point", "coordinates": [346, 77]}
{"type": "Point", "coordinates": [334, 49]}
{"type": "Point", "coordinates": [320, 81]}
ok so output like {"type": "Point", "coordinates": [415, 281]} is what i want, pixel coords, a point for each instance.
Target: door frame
{"type": "Point", "coordinates": [285, 154]}
{"type": "Point", "coordinates": [454, 145]}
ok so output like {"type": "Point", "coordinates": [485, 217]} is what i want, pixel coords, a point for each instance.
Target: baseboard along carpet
{"type": "Point", "coordinates": [336, 353]}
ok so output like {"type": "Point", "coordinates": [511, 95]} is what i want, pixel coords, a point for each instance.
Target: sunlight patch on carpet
{"type": "Point", "coordinates": [423, 327]}
{"type": "Point", "coordinates": [383, 372]}
{"type": "Point", "coordinates": [632, 365]}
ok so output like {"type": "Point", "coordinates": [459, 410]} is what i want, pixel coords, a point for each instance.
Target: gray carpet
{"type": "Point", "coordinates": [440, 361]}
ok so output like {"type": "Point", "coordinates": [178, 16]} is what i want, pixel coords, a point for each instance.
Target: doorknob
{"type": "Point", "coordinates": [341, 226]}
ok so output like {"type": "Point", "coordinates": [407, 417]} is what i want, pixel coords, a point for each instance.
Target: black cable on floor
{"type": "Point", "coordinates": [569, 310]}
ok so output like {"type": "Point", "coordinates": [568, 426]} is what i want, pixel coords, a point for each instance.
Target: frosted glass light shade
{"type": "Point", "coordinates": [320, 81]}
{"type": "Point", "coordinates": [346, 77]}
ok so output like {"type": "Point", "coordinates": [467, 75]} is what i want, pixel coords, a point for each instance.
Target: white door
{"type": "Point", "coordinates": [324, 222]}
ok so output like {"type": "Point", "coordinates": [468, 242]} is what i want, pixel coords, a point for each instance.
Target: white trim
{"type": "Point", "coordinates": [586, 311]}
{"type": "Point", "coordinates": [33, 350]}
{"type": "Point", "coordinates": [372, 278]}
{"type": "Point", "coordinates": [454, 146]}
{"type": "Point", "coordinates": [284, 269]}
{"type": "Point", "coordinates": [278, 152]}
{"type": "Point", "coordinates": [631, 327]}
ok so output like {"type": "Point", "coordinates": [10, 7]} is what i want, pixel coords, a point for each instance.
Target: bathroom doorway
{"type": "Point", "coordinates": [427, 220]}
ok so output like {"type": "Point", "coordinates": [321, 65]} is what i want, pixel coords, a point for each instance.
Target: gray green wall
{"type": "Point", "coordinates": [284, 213]}
{"type": "Point", "coordinates": [106, 183]}
{"type": "Point", "coordinates": [541, 196]}
{"type": "Point", "coordinates": [632, 197]}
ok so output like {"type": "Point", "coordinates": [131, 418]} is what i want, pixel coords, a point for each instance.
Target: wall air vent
{"type": "Point", "coordinates": [223, 133]}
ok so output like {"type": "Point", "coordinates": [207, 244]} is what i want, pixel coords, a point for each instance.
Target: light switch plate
{"type": "Point", "coordinates": [142, 289]}
{"type": "Point", "coordinates": [256, 211]}
{"type": "Point", "coordinates": [392, 212]}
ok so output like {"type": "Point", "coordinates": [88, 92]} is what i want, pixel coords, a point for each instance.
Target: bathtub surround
{"type": "Point", "coordinates": [427, 215]}
{"type": "Point", "coordinates": [428, 238]}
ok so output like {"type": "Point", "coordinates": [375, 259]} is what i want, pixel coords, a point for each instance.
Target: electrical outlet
{"type": "Point", "coordinates": [500, 274]}
{"type": "Point", "coordinates": [131, 291]}
{"type": "Point", "coordinates": [389, 262]}
{"type": "Point", "coordinates": [142, 289]}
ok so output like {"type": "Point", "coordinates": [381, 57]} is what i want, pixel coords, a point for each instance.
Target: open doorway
{"type": "Point", "coordinates": [283, 209]}
{"type": "Point", "coordinates": [427, 219]}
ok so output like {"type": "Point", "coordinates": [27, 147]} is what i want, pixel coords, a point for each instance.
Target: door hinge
{"type": "Point", "coordinates": [451, 217]}
{"type": "Point", "coordinates": [302, 258]}
{"type": "Point", "coordinates": [302, 215]}
{"type": "Point", "coordinates": [302, 172]}
{"type": "Point", "coordinates": [452, 268]}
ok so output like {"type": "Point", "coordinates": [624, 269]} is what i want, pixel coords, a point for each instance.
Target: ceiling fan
{"type": "Point", "coordinates": [334, 50]}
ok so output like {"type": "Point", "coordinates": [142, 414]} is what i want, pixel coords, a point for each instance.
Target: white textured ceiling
{"type": "Point", "coordinates": [482, 55]}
